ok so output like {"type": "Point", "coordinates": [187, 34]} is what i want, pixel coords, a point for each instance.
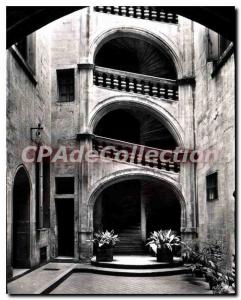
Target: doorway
{"type": "Point", "coordinates": [21, 220]}
{"type": "Point", "coordinates": [134, 208]}
{"type": "Point", "coordinates": [65, 225]}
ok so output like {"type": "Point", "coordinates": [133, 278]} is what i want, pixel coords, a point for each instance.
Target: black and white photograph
{"type": "Point", "coordinates": [121, 158]}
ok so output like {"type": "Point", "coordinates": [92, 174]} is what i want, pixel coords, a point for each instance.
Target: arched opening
{"type": "Point", "coordinates": [136, 55]}
{"type": "Point", "coordinates": [134, 208]}
{"type": "Point", "coordinates": [135, 125]}
{"type": "Point", "coordinates": [21, 220]}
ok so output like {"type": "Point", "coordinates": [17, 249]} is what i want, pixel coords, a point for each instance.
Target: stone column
{"type": "Point", "coordinates": [85, 69]}
{"type": "Point", "coordinates": [143, 214]}
{"type": "Point", "coordinates": [85, 84]}
{"type": "Point", "coordinates": [85, 232]}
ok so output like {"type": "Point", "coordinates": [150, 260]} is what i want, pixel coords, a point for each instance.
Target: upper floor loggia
{"type": "Point", "coordinates": [132, 64]}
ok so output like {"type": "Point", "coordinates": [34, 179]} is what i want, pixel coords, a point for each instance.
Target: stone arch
{"type": "Point", "coordinates": [160, 40]}
{"type": "Point", "coordinates": [160, 113]}
{"type": "Point", "coordinates": [130, 174]}
{"type": "Point", "coordinates": [22, 166]}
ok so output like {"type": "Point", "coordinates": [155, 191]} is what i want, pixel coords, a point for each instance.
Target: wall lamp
{"type": "Point", "coordinates": [35, 133]}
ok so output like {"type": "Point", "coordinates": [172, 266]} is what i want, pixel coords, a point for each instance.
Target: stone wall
{"type": "Point", "coordinates": [203, 118]}
{"type": "Point", "coordinates": [28, 103]}
{"type": "Point", "coordinates": [215, 130]}
{"type": "Point", "coordinates": [75, 40]}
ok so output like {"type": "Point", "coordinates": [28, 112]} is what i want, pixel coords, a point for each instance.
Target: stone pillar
{"type": "Point", "coordinates": [85, 69]}
{"type": "Point", "coordinates": [84, 230]}
{"type": "Point", "coordinates": [85, 75]}
{"type": "Point", "coordinates": [85, 85]}
{"type": "Point", "coordinates": [143, 214]}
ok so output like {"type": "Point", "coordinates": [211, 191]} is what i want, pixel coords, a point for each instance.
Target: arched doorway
{"type": "Point", "coordinates": [21, 220]}
{"type": "Point", "coordinates": [134, 208]}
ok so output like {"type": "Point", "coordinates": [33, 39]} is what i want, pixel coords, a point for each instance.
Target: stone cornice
{"type": "Point", "coordinates": [85, 66]}
{"type": "Point", "coordinates": [186, 80]}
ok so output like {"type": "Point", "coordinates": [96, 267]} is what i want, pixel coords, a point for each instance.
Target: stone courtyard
{"type": "Point", "coordinates": [119, 119]}
{"type": "Point", "coordinates": [63, 278]}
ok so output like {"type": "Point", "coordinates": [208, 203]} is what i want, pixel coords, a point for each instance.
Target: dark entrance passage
{"type": "Point", "coordinates": [162, 208]}
{"type": "Point", "coordinates": [121, 206]}
{"type": "Point", "coordinates": [21, 220]}
{"type": "Point", "coordinates": [134, 208]}
{"type": "Point", "coordinates": [65, 224]}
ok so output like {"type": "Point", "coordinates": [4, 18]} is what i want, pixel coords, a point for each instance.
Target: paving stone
{"type": "Point", "coordinates": [84, 283]}
{"type": "Point", "coordinates": [38, 280]}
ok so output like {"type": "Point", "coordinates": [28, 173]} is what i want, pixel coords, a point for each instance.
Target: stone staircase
{"type": "Point", "coordinates": [130, 241]}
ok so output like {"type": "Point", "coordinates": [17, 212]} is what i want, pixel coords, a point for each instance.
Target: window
{"type": "Point", "coordinates": [42, 173]}
{"type": "Point", "coordinates": [65, 79]}
{"type": "Point", "coordinates": [212, 186]}
{"type": "Point", "coordinates": [223, 44]}
{"type": "Point", "coordinates": [25, 52]}
{"type": "Point", "coordinates": [217, 45]}
{"type": "Point", "coordinates": [219, 50]}
{"type": "Point", "coordinates": [64, 185]}
{"type": "Point", "coordinates": [22, 47]}
{"type": "Point", "coordinates": [43, 254]}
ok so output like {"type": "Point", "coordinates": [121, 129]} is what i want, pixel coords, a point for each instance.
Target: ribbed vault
{"type": "Point", "coordinates": [135, 55]}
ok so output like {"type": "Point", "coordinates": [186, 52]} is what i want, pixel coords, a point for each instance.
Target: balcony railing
{"type": "Point", "coordinates": [136, 83]}
{"type": "Point", "coordinates": [134, 153]}
{"type": "Point", "coordinates": [140, 12]}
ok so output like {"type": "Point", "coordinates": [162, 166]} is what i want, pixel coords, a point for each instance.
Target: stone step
{"type": "Point", "coordinates": [64, 259]}
{"type": "Point", "coordinates": [130, 235]}
{"type": "Point", "coordinates": [130, 251]}
{"type": "Point", "coordinates": [81, 268]}
{"type": "Point", "coordinates": [132, 226]}
{"type": "Point", "coordinates": [131, 246]}
{"type": "Point", "coordinates": [130, 232]}
{"type": "Point", "coordinates": [136, 272]}
{"type": "Point", "coordinates": [137, 262]}
{"type": "Point", "coordinates": [128, 240]}
{"type": "Point", "coordinates": [138, 246]}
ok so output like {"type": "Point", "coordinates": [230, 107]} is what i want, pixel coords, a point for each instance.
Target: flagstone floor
{"type": "Point", "coordinates": [71, 278]}
{"type": "Point", "coordinates": [87, 283]}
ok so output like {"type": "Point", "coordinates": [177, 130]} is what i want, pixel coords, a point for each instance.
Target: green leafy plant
{"type": "Point", "coordinates": [163, 239]}
{"type": "Point", "coordinates": [223, 286]}
{"type": "Point", "coordinates": [189, 252]}
{"type": "Point", "coordinates": [209, 260]}
{"type": "Point", "coordinates": [106, 239]}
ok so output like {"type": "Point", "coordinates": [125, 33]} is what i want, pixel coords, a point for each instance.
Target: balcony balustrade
{"type": "Point", "coordinates": [136, 83]}
{"type": "Point", "coordinates": [134, 153]}
{"type": "Point", "coordinates": [140, 12]}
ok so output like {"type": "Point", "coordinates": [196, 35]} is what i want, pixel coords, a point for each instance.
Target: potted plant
{"type": "Point", "coordinates": [104, 243]}
{"type": "Point", "coordinates": [197, 269]}
{"type": "Point", "coordinates": [162, 243]}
